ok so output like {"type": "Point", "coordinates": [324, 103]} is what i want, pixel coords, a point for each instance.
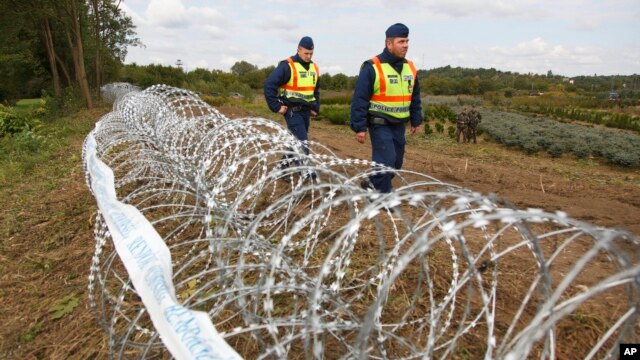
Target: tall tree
{"type": "Point", "coordinates": [112, 33]}
{"type": "Point", "coordinates": [71, 12]}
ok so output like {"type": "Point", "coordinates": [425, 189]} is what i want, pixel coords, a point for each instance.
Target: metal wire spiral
{"type": "Point", "coordinates": [317, 267]}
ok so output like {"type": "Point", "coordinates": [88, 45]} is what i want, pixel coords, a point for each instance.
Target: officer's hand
{"type": "Point", "coordinates": [414, 130]}
{"type": "Point", "coordinates": [313, 113]}
{"type": "Point", "coordinates": [361, 137]}
{"type": "Point", "coordinates": [283, 109]}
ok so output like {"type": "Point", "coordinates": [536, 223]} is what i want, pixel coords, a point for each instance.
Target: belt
{"type": "Point", "coordinates": [297, 108]}
{"type": "Point", "coordinates": [382, 121]}
{"type": "Point", "coordinates": [378, 121]}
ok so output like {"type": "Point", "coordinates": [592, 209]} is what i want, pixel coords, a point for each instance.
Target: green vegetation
{"type": "Point", "coordinates": [31, 333]}
{"type": "Point", "coordinates": [336, 114]}
{"type": "Point", "coordinates": [441, 112]}
{"type": "Point", "coordinates": [27, 139]}
{"type": "Point", "coordinates": [63, 306]}
{"type": "Point", "coordinates": [86, 41]}
{"type": "Point", "coordinates": [534, 134]}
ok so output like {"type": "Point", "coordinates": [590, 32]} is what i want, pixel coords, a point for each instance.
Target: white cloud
{"type": "Point", "coordinates": [586, 24]}
{"type": "Point", "coordinates": [490, 8]}
{"type": "Point", "coordinates": [276, 22]}
{"type": "Point", "coordinates": [535, 47]}
{"type": "Point", "coordinates": [206, 15]}
{"type": "Point", "coordinates": [167, 13]}
{"type": "Point", "coordinates": [214, 32]}
{"type": "Point", "coordinates": [569, 37]}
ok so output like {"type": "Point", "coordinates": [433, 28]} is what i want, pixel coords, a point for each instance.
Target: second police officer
{"type": "Point", "coordinates": [386, 97]}
{"type": "Point", "coordinates": [292, 89]}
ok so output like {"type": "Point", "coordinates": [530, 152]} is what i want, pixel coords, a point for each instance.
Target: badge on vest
{"type": "Point", "coordinates": [407, 77]}
{"type": "Point", "coordinates": [313, 75]}
{"type": "Point", "coordinates": [303, 74]}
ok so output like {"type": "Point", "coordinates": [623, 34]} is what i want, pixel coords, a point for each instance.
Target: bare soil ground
{"type": "Point", "coordinates": [46, 225]}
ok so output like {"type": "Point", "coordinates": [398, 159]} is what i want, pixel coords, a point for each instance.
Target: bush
{"type": "Point", "coordinates": [439, 128]}
{"type": "Point", "coordinates": [451, 131]}
{"type": "Point", "coordinates": [12, 122]}
{"type": "Point", "coordinates": [214, 101]}
{"type": "Point", "coordinates": [581, 151]}
{"type": "Point", "coordinates": [530, 146]}
{"type": "Point", "coordinates": [529, 133]}
{"type": "Point", "coordinates": [336, 114]}
{"type": "Point", "coordinates": [439, 112]}
{"type": "Point", "coordinates": [621, 158]}
{"type": "Point", "coordinates": [427, 129]}
{"type": "Point", "coordinates": [555, 150]}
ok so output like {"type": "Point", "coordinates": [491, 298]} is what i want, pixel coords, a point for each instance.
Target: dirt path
{"type": "Point", "coordinates": [586, 190]}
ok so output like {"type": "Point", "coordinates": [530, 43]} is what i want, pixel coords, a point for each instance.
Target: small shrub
{"type": "Point", "coordinates": [581, 151]}
{"type": "Point", "coordinates": [12, 122]}
{"type": "Point", "coordinates": [622, 158]}
{"type": "Point", "coordinates": [530, 146]}
{"type": "Point", "coordinates": [439, 128]}
{"type": "Point", "coordinates": [451, 131]}
{"type": "Point", "coordinates": [555, 150]}
{"type": "Point", "coordinates": [427, 129]}
{"type": "Point", "coordinates": [214, 100]}
{"type": "Point", "coordinates": [439, 112]}
{"type": "Point", "coordinates": [336, 114]}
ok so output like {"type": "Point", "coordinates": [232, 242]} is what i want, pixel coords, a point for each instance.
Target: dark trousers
{"type": "Point", "coordinates": [298, 124]}
{"type": "Point", "coordinates": [387, 143]}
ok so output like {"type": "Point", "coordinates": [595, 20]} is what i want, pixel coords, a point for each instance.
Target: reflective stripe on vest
{"type": "Point", "coordinates": [392, 91]}
{"type": "Point", "coordinates": [302, 82]}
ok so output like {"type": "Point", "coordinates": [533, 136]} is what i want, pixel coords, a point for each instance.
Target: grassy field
{"type": "Point", "coordinates": [45, 226]}
{"type": "Point", "coordinates": [47, 215]}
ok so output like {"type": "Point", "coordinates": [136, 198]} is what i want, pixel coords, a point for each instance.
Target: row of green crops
{"type": "Point", "coordinates": [598, 117]}
{"type": "Point", "coordinates": [439, 112]}
{"type": "Point", "coordinates": [556, 138]}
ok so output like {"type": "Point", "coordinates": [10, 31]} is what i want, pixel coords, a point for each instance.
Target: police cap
{"type": "Point", "coordinates": [397, 30]}
{"type": "Point", "coordinates": [306, 42]}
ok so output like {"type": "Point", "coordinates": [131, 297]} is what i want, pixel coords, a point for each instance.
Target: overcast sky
{"type": "Point", "coordinates": [570, 37]}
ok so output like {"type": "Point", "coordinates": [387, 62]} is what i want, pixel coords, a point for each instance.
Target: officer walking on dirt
{"type": "Point", "coordinates": [461, 125]}
{"type": "Point", "coordinates": [387, 95]}
{"type": "Point", "coordinates": [474, 118]}
{"type": "Point", "coordinates": [292, 89]}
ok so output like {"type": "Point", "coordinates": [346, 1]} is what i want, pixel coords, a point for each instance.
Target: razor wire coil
{"type": "Point", "coordinates": [301, 262]}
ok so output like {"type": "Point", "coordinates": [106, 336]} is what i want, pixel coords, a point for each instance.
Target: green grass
{"type": "Point", "coordinates": [25, 153]}
{"type": "Point", "coordinates": [25, 106]}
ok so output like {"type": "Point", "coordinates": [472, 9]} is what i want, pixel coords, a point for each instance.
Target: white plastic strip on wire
{"type": "Point", "coordinates": [301, 262]}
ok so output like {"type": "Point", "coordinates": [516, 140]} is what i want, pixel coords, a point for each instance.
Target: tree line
{"type": "Point", "coordinates": [61, 46]}
{"type": "Point", "coordinates": [447, 80]}
{"type": "Point", "coordinates": [75, 46]}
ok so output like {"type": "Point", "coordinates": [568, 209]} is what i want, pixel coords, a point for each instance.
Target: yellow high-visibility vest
{"type": "Point", "coordinates": [392, 91]}
{"type": "Point", "coordinates": [302, 82]}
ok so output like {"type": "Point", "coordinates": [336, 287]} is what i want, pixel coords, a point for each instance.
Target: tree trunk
{"type": "Point", "coordinates": [51, 55]}
{"type": "Point", "coordinates": [98, 41]}
{"type": "Point", "coordinates": [74, 37]}
{"type": "Point", "coordinates": [65, 72]}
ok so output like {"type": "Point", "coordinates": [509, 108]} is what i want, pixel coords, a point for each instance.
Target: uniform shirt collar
{"type": "Point", "coordinates": [297, 58]}
{"type": "Point", "coordinates": [390, 58]}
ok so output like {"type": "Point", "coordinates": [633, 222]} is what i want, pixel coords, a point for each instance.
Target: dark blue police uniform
{"type": "Point", "coordinates": [298, 113]}
{"type": "Point", "coordinates": [387, 140]}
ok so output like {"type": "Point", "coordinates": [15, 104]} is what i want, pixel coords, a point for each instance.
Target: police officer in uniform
{"type": "Point", "coordinates": [292, 89]}
{"type": "Point", "coordinates": [386, 97]}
